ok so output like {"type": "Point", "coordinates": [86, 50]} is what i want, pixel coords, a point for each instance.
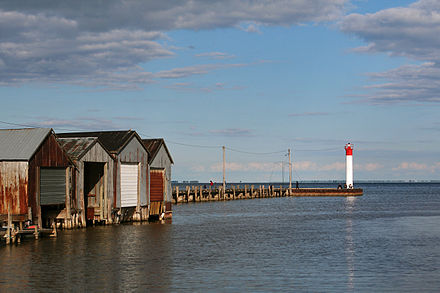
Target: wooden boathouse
{"type": "Point", "coordinates": [93, 179]}
{"type": "Point", "coordinates": [160, 177]}
{"type": "Point", "coordinates": [34, 177]}
{"type": "Point", "coordinates": [130, 172]}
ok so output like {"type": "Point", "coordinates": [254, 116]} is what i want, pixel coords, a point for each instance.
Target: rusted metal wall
{"type": "Point", "coordinates": [14, 188]}
{"type": "Point", "coordinates": [162, 160]}
{"type": "Point", "coordinates": [49, 154]}
{"type": "Point", "coordinates": [134, 152]}
{"type": "Point", "coordinates": [157, 183]}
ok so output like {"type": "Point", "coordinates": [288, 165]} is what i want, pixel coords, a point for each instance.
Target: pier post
{"type": "Point", "coordinates": [245, 191]}
{"type": "Point", "coordinates": [8, 235]}
{"type": "Point", "coordinates": [233, 190]}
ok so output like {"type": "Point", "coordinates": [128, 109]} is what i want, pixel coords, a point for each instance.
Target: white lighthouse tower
{"type": "Point", "coordinates": [349, 165]}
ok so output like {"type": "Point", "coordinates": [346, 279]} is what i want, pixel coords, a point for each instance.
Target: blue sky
{"type": "Point", "coordinates": [256, 76]}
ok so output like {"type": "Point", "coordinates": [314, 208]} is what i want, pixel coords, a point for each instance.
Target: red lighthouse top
{"type": "Point", "coordinates": [349, 149]}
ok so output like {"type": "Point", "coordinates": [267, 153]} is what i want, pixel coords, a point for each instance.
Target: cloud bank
{"type": "Point", "coordinates": [104, 43]}
{"type": "Point", "coordinates": [410, 32]}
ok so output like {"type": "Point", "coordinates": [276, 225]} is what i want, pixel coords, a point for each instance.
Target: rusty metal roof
{"type": "Point", "coordinates": [113, 141]}
{"type": "Point", "coordinates": [21, 144]}
{"type": "Point", "coordinates": [153, 146]}
{"type": "Point", "coordinates": [76, 148]}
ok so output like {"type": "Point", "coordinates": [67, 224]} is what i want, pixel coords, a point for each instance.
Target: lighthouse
{"type": "Point", "coordinates": [349, 165]}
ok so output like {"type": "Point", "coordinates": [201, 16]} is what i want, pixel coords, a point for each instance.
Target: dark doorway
{"type": "Point", "coordinates": [93, 191]}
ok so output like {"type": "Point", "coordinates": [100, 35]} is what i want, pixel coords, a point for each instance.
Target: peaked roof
{"type": "Point", "coordinates": [21, 144]}
{"type": "Point", "coordinates": [77, 147]}
{"type": "Point", "coordinates": [113, 141]}
{"type": "Point", "coordinates": [153, 146]}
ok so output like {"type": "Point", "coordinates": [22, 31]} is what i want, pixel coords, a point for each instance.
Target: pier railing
{"type": "Point", "coordinates": [202, 194]}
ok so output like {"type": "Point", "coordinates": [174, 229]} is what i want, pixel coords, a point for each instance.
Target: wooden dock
{"type": "Point", "coordinates": [201, 194]}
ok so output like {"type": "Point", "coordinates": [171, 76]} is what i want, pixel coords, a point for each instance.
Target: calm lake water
{"type": "Point", "coordinates": [387, 240]}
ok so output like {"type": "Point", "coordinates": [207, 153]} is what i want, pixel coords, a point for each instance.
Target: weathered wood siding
{"type": "Point", "coordinates": [14, 187]}
{"type": "Point", "coordinates": [99, 155]}
{"type": "Point", "coordinates": [134, 152]}
{"type": "Point", "coordinates": [49, 154]}
{"type": "Point", "coordinates": [162, 160]}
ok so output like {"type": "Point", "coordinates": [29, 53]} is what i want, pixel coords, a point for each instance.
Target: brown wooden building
{"type": "Point", "coordinates": [160, 176]}
{"type": "Point", "coordinates": [93, 178]}
{"type": "Point", "coordinates": [130, 172]}
{"type": "Point", "coordinates": [34, 176]}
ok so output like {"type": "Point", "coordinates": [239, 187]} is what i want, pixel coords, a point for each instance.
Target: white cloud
{"type": "Point", "coordinates": [415, 166]}
{"type": "Point", "coordinates": [215, 55]}
{"type": "Point", "coordinates": [231, 132]}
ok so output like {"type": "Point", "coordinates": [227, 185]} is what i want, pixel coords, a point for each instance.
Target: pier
{"type": "Point", "coordinates": [202, 194]}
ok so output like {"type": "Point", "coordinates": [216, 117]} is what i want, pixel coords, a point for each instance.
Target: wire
{"type": "Point", "coordinates": [35, 126]}
{"type": "Point", "coordinates": [322, 150]}
{"type": "Point", "coordinates": [253, 153]}
{"type": "Point", "coordinates": [184, 144]}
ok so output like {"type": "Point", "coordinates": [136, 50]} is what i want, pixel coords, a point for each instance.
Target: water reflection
{"type": "Point", "coordinates": [349, 243]}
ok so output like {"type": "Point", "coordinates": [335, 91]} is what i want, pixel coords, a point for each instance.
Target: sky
{"type": "Point", "coordinates": [258, 77]}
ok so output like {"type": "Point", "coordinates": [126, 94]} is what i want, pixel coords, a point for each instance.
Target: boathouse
{"type": "Point", "coordinates": [93, 178]}
{"type": "Point", "coordinates": [130, 172]}
{"type": "Point", "coordinates": [34, 177]}
{"type": "Point", "coordinates": [160, 176]}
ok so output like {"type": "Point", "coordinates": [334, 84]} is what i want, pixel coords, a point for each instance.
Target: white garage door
{"type": "Point", "coordinates": [129, 185]}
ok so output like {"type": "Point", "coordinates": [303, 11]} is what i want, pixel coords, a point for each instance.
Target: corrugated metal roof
{"type": "Point", "coordinates": [153, 146]}
{"type": "Point", "coordinates": [21, 144]}
{"type": "Point", "coordinates": [112, 140]}
{"type": "Point", "coordinates": [77, 147]}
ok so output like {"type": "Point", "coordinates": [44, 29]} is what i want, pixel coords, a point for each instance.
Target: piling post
{"type": "Point", "coordinates": [224, 168]}
{"type": "Point", "coordinates": [233, 190]}
{"type": "Point", "coordinates": [201, 194]}
{"type": "Point", "coordinates": [187, 193]}
{"type": "Point", "coordinates": [177, 194]}
{"type": "Point", "coordinates": [8, 235]}
{"type": "Point", "coordinates": [281, 190]}
{"type": "Point", "coordinates": [252, 191]}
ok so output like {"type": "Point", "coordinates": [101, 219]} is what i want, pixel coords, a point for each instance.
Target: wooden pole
{"type": "Point", "coordinates": [224, 167]}
{"type": "Point", "coordinates": [9, 234]}
{"type": "Point", "coordinates": [290, 173]}
{"type": "Point", "coordinates": [68, 213]}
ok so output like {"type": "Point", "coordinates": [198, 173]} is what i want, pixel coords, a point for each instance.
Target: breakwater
{"type": "Point", "coordinates": [236, 192]}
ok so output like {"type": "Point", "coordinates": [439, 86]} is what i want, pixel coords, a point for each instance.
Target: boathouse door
{"type": "Point", "coordinates": [157, 178]}
{"type": "Point", "coordinates": [93, 189]}
{"type": "Point", "coordinates": [129, 184]}
{"type": "Point", "coordinates": [52, 186]}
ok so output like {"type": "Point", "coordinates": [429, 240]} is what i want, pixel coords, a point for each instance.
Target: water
{"type": "Point", "coordinates": [387, 240]}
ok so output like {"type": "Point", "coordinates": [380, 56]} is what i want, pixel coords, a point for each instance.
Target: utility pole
{"type": "Point", "coordinates": [224, 180]}
{"type": "Point", "coordinates": [282, 170]}
{"type": "Point", "coordinates": [290, 174]}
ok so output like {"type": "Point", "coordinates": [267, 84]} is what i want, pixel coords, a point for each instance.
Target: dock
{"type": "Point", "coordinates": [236, 192]}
